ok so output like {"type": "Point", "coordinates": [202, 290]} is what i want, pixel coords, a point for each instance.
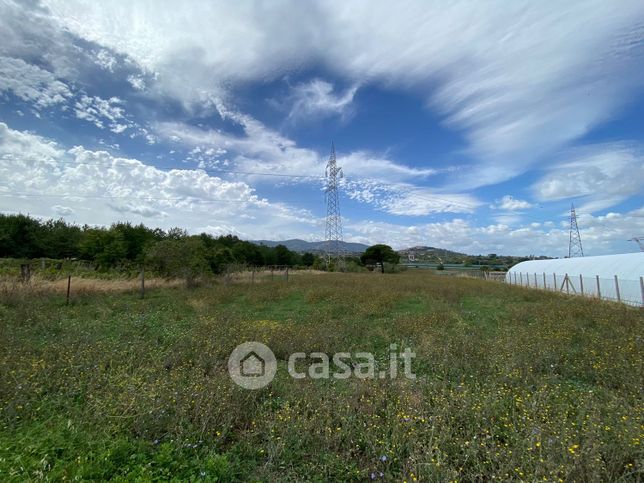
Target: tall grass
{"type": "Point", "coordinates": [511, 383]}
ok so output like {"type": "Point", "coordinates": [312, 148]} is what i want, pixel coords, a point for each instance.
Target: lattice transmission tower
{"type": "Point", "coordinates": [574, 246]}
{"type": "Point", "coordinates": [333, 230]}
{"type": "Point", "coordinates": [640, 241]}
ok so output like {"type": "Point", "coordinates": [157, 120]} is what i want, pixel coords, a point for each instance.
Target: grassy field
{"type": "Point", "coordinates": [512, 383]}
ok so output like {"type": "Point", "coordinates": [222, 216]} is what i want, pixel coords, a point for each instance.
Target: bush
{"type": "Point", "coordinates": [184, 258]}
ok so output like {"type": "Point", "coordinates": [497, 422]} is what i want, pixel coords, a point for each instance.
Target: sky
{"type": "Point", "coordinates": [470, 126]}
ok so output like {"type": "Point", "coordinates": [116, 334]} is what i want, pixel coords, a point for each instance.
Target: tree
{"type": "Point", "coordinates": [379, 254]}
{"type": "Point", "coordinates": [221, 258]}
{"type": "Point", "coordinates": [308, 259]}
{"type": "Point", "coordinates": [183, 258]}
{"type": "Point", "coordinates": [282, 255]}
{"type": "Point", "coordinates": [137, 239]}
{"type": "Point", "coordinates": [59, 239]}
{"type": "Point", "coordinates": [20, 236]}
{"type": "Point", "coordinates": [106, 247]}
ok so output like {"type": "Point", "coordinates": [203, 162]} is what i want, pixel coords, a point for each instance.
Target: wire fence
{"type": "Point", "coordinates": [617, 289]}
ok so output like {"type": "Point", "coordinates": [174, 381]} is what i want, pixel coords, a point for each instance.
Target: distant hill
{"type": "Point", "coordinates": [302, 246]}
{"type": "Point", "coordinates": [422, 254]}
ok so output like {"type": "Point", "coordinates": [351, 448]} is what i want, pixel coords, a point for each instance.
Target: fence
{"type": "Point", "coordinates": [630, 292]}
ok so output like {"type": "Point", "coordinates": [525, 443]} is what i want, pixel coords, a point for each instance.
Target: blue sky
{"type": "Point", "coordinates": [465, 126]}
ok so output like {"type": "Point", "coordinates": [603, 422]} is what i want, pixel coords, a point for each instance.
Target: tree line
{"type": "Point", "coordinates": [124, 245]}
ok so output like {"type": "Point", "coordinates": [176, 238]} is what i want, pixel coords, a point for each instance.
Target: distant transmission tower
{"type": "Point", "coordinates": [333, 230]}
{"type": "Point", "coordinates": [574, 246]}
{"type": "Point", "coordinates": [640, 241]}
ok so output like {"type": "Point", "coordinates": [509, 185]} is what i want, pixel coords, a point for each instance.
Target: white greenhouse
{"type": "Point", "coordinates": [611, 277]}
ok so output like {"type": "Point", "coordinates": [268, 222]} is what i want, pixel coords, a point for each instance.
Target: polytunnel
{"type": "Point", "coordinates": [610, 277]}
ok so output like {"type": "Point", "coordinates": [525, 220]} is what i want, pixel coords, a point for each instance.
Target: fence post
{"type": "Point", "coordinates": [599, 290]}
{"type": "Point", "coordinates": [271, 273]}
{"type": "Point", "coordinates": [142, 282]}
{"type": "Point", "coordinates": [567, 280]}
{"type": "Point", "coordinates": [554, 279]}
{"type": "Point", "coordinates": [69, 284]}
{"type": "Point", "coordinates": [545, 287]}
{"type": "Point", "coordinates": [25, 272]}
{"type": "Point", "coordinates": [619, 299]}
{"type": "Point", "coordinates": [515, 278]}
{"type": "Point", "coordinates": [642, 289]}
{"type": "Point", "coordinates": [581, 283]}
{"type": "Point", "coordinates": [521, 278]}
{"type": "Point", "coordinates": [286, 275]}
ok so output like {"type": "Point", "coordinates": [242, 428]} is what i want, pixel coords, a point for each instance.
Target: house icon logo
{"type": "Point", "coordinates": [252, 365]}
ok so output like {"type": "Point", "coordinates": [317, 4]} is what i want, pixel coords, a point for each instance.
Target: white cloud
{"type": "Point", "coordinates": [105, 60]}
{"type": "Point", "coordinates": [405, 199]}
{"type": "Point", "coordinates": [510, 203]}
{"type": "Point", "coordinates": [137, 82]}
{"type": "Point", "coordinates": [62, 210]}
{"type": "Point", "coordinates": [138, 209]}
{"type": "Point", "coordinates": [373, 179]}
{"type": "Point", "coordinates": [44, 179]}
{"type": "Point", "coordinates": [600, 235]}
{"type": "Point", "coordinates": [317, 99]}
{"type": "Point", "coordinates": [100, 111]}
{"type": "Point", "coordinates": [599, 175]}
{"type": "Point", "coordinates": [262, 149]}
{"type": "Point", "coordinates": [95, 187]}
{"type": "Point", "coordinates": [519, 80]}
{"type": "Point", "coordinates": [31, 83]}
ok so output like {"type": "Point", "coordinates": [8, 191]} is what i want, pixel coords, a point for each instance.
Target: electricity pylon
{"type": "Point", "coordinates": [640, 241]}
{"type": "Point", "coordinates": [574, 246]}
{"type": "Point", "coordinates": [333, 230]}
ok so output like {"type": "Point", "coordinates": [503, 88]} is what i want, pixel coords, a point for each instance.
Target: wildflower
{"type": "Point", "coordinates": [383, 458]}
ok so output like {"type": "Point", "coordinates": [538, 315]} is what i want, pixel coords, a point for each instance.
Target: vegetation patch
{"type": "Point", "coordinates": [510, 384]}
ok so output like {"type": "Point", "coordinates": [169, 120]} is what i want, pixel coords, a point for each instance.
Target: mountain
{"type": "Point", "coordinates": [302, 246]}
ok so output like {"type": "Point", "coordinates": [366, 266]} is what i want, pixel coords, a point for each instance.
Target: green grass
{"type": "Point", "coordinates": [512, 383]}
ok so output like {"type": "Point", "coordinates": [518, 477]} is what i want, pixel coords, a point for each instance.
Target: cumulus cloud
{"type": "Point", "coordinates": [100, 111]}
{"type": "Point", "coordinates": [42, 178]}
{"type": "Point", "coordinates": [105, 60]}
{"type": "Point", "coordinates": [31, 83]}
{"type": "Point", "coordinates": [600, 176]}
{"type": "Point", "coordinates": [600, 235]}
{"type": "Point", "coordinates": [62, 210]}
{"type": "Point", "coordinates": [510, 203]}
{"type": "Point", "coordinates": [138, 82]}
